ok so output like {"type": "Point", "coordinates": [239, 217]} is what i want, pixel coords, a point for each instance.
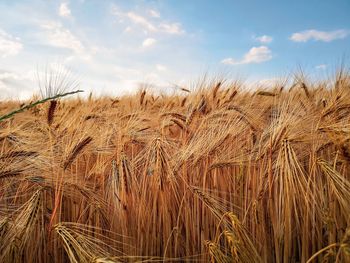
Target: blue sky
{"type": "Point", "coordinates": [114, 46]}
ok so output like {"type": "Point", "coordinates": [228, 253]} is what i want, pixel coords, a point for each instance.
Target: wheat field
{"type": "Point", "coordinates": [214, 173]}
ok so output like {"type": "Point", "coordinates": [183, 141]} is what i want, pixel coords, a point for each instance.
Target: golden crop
{"type": "Point", "coordinates": [216, 174]}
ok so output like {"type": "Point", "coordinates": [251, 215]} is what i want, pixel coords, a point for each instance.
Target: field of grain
{"type": "Point", "coordinates": [216, 173]}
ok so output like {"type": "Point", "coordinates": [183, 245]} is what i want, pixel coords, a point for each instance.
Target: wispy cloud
{"type": "Point", "coordinates": [56, 35]}
{"type": "Point", "coordinates": [325, 36]}
{"type": "Point", "coordinates": [254, 55]}
{"type": "Point", "coordinates": [140, 20]}
{"type": "Point", "coordinates": [154, 13]}
{"type": "Point", "coordinates": [172, 28]}
{"type": "Point", "coordinates": [9, 45]}
{"type": "Point", "coordinates": [64, 10]}
{"type": "Point", "coordinates": [148, 42]}
{"type": "Point", "coordinates": [264, 39]}
{"type": "Point", "coordinates": [151, 22]}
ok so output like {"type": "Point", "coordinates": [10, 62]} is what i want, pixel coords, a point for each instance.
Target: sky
{"type": "Point", "coordinates": [113, 47]}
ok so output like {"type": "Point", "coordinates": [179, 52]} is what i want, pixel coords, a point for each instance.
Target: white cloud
{"type": "Point", "coordinates": [9, 45]}
{"type": "Point", "coordinates": [16, 85]}
{"type": "Point", "coordinates": [257, 55]}
{"type": "Point", "coordinates": [228, 61]}
{"type": "Point", "coordinates": [161, 67]}
{"type": "Point", "coordinates": [154, 13]}
{"type": "Point", "coordinates": [142, 21]}
{"type": "Point", "coordinates": [147, 23]}
{"type": "Point", "coordinates": [254, 55]}
{"type": "Point", "coordinates": [321, 66]}
{"type": "Point", "coordinates": [148, 42]}
{"type": "Point", "coordinates": [264, 39]}
{"type": "Point", "coordinates": [316, 35]}
{"type": "Point", "coordinates": [64, 10]}
{"type": "Point", "coordinates": [172, 28]}
{"type": "Point", "coordinates": [58, 36]}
